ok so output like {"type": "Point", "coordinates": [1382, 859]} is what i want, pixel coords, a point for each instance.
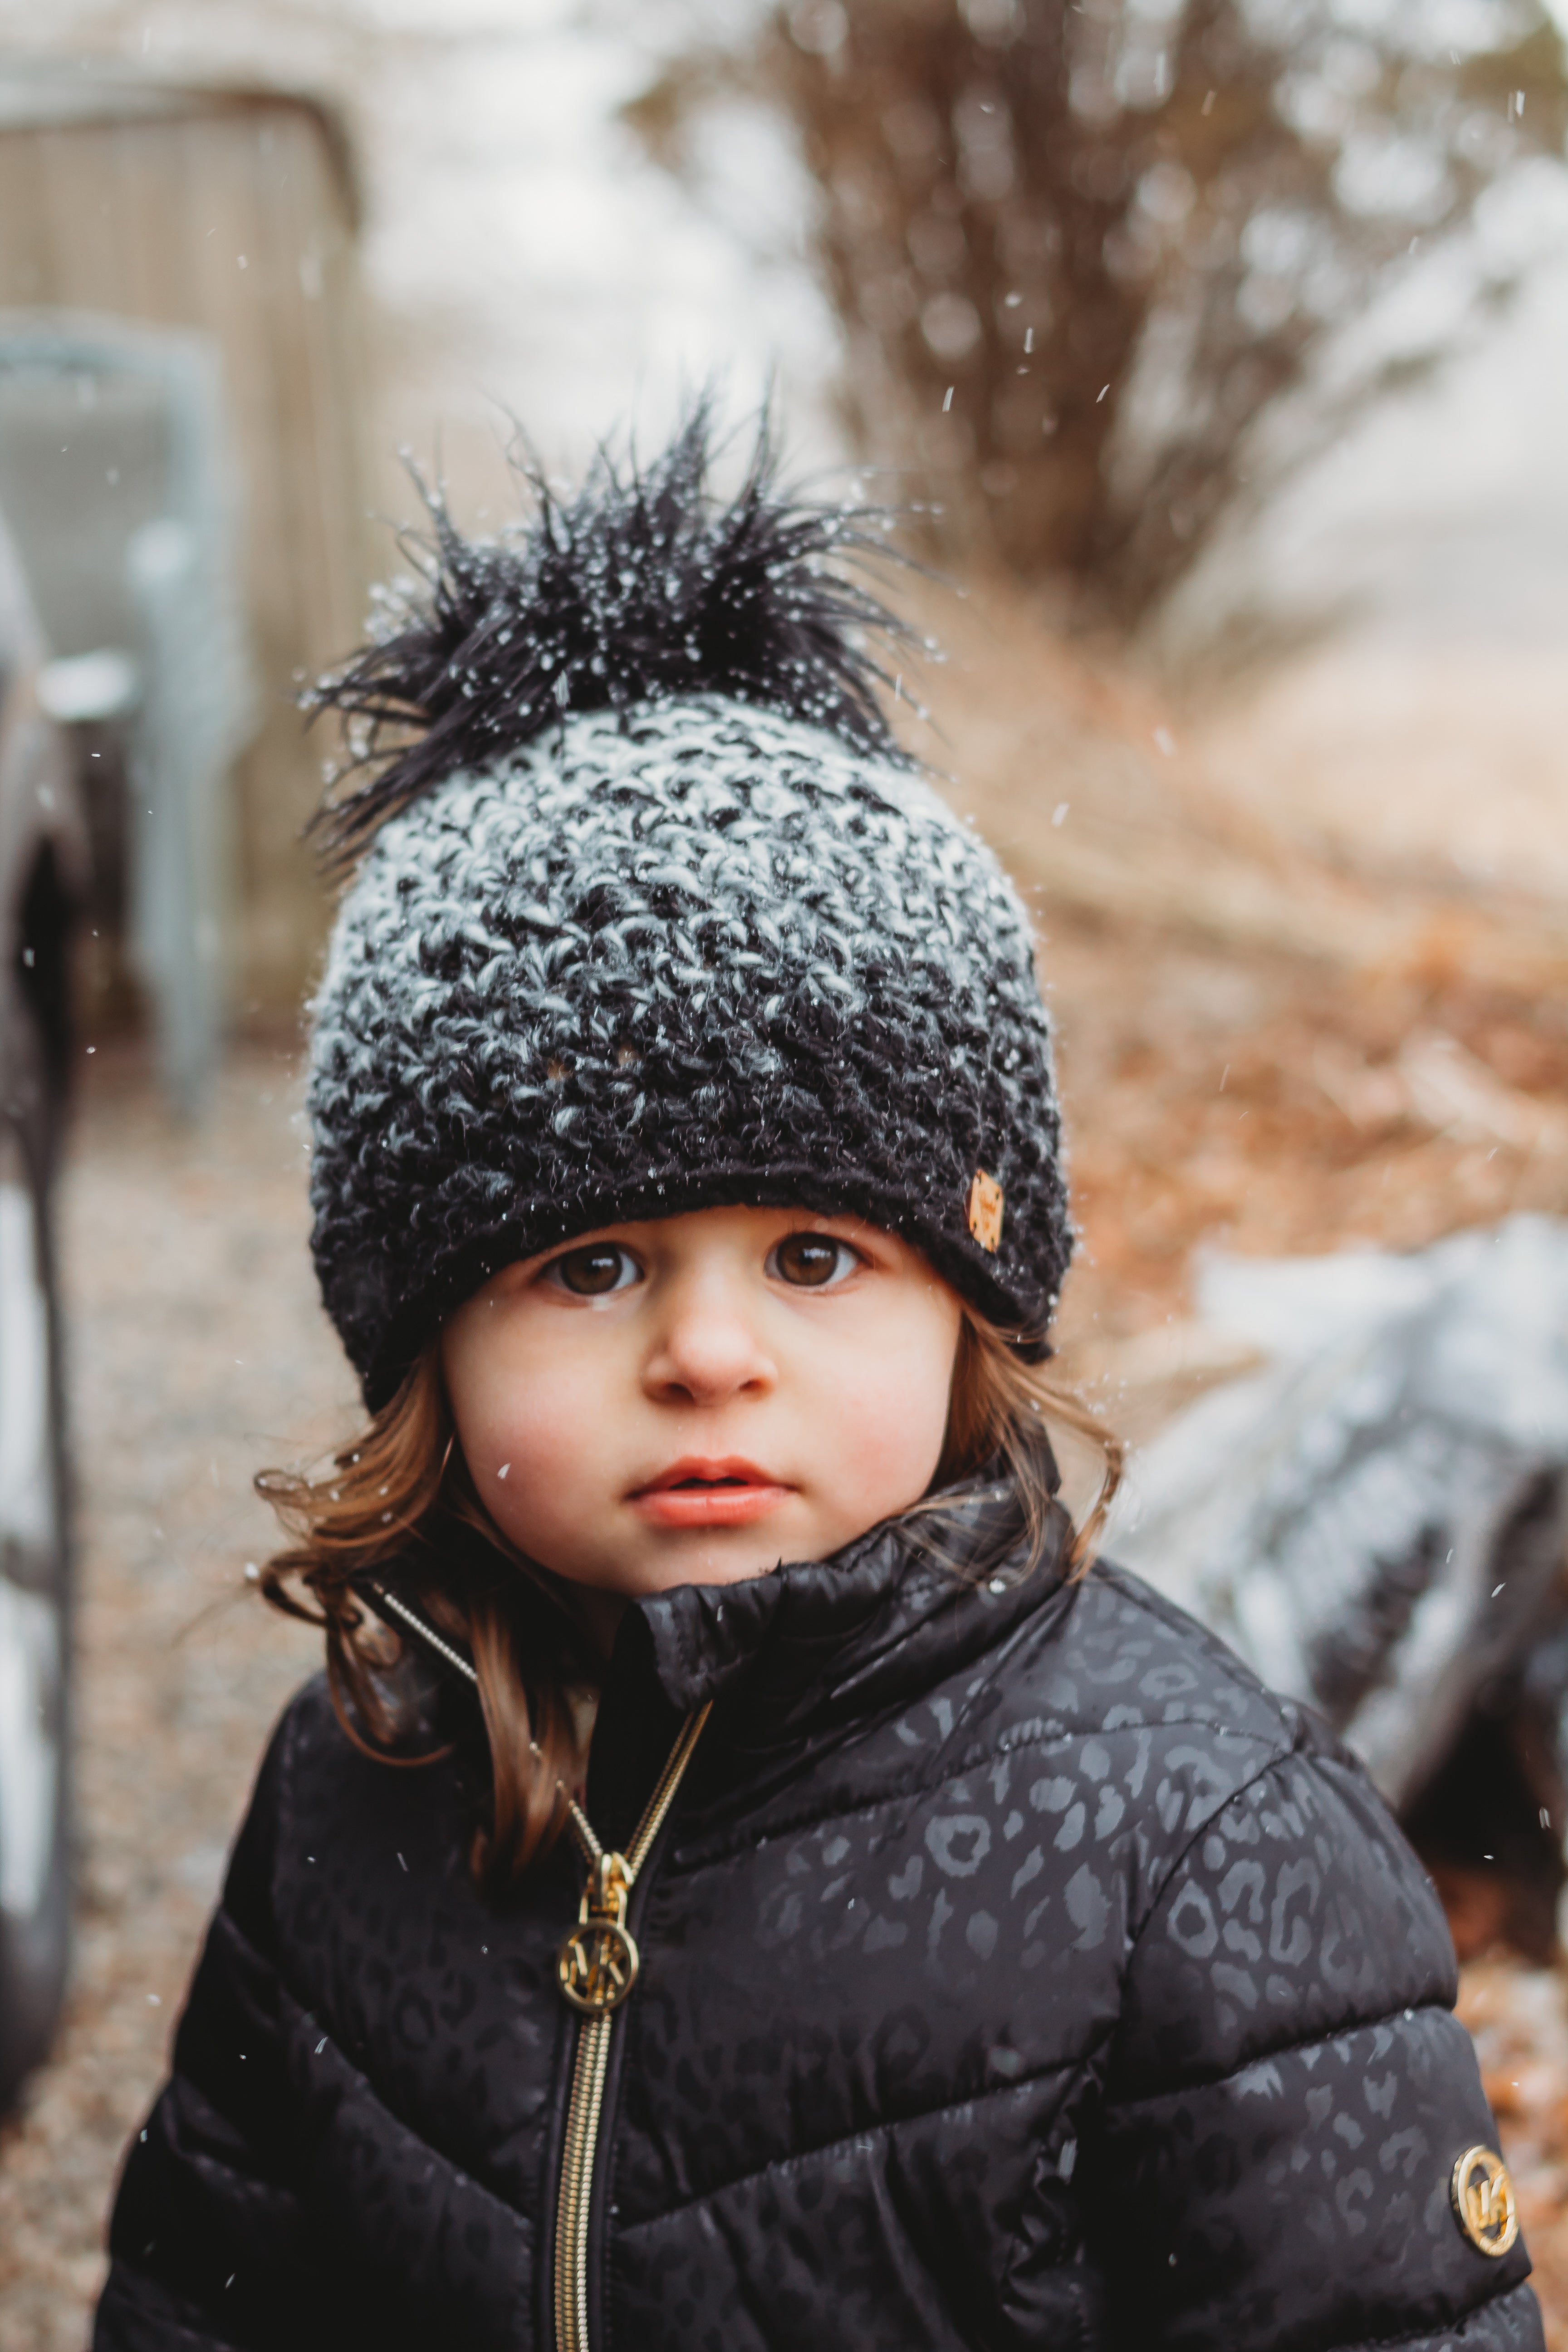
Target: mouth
{"type": "Point", "coordinates": [694, 1492]}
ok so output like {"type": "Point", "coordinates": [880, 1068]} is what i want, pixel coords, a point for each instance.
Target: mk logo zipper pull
{"type": "Point", "coordinates": [597, 1966]}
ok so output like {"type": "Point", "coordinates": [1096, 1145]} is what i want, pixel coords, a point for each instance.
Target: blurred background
{"type": "Point", "coordinates": [1214, 352]}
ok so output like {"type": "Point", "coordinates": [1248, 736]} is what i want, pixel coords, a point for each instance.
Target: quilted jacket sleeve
{"type": "Point", "coordinates": [1288, 2092]}
{"type": "Point", "coordinates": [206, 2238]}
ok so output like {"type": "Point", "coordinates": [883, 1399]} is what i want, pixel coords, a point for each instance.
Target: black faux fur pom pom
{"type": "Point", "coordinates": [644, 587]}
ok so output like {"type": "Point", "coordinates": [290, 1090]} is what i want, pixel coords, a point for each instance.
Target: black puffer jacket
{"type": "Point", "coordinates": [1015, 1973]}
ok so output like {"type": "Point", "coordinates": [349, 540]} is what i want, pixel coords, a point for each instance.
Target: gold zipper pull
{"type": "Point", "coordinates": [597, 1966]}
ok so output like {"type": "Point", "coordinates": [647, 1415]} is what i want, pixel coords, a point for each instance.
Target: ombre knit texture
{"type": "Point", "coordinates": [692, 954]}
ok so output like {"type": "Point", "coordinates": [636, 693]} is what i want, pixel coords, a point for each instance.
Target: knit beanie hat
{"type": "Point", "coordinates": [651, 914]}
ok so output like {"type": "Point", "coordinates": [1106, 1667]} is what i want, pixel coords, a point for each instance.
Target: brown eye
{"type": "Point", "coordinates": [811, 1261]}
{"type": "Point", "coordinates": [596, 1270]}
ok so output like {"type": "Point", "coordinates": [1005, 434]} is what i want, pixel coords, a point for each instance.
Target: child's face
{"type": "Point", "coordinates": [691, 1400]}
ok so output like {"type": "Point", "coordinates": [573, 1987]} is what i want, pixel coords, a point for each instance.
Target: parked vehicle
{"type": "Point", "coordinates": [41, 874]}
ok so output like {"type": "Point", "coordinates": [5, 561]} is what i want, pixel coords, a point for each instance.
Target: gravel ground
{"type": "Point", "coordinates": [200, 1353]}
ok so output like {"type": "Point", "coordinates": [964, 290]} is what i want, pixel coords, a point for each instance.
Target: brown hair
{"type": "Point", "coordinates": [399, 1494]}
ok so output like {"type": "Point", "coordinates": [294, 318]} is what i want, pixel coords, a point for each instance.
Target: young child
{"type": "Point", "coordinates": [745, 1882]}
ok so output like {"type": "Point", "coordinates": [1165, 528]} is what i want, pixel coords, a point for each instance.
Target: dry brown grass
{"type": "Point", "coordinates": [1259, 1046]}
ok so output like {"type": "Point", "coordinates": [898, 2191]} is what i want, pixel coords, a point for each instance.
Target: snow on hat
{"type": "Point", "coordinates": [651, 914]}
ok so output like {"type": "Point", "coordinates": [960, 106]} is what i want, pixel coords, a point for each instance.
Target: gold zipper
{"type": "Point", "coordinates": [596, 1968]}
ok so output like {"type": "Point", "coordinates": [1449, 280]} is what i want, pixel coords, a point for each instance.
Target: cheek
{"type": "Point", "coordinates": [527, 1427]}
{"type": "Point", "coordinates": [888, 1412]}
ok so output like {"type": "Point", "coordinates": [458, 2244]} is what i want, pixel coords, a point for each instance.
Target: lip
{"type": "Point", "coordinates": [697, 1492]}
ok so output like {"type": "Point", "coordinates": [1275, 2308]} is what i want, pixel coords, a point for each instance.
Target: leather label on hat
{"type": "Point", "coordinates": [1483, 2200]}
{"type": "Point", "coordinates": [985, 1211]}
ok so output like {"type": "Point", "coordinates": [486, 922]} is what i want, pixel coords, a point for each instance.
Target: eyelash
{"type": "Point", "coordinates": [631, 1271]}
{"type": "Point", "coordinates": [849, 1258]}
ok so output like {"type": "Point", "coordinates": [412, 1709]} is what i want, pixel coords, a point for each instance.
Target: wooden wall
{"type": "Point", "coordinates": [232, 213]}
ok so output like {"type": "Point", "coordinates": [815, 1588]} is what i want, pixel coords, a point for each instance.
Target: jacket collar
{"type": "Point", "coordinates": [808, 1649]}
{"type": "Point", "coordinates": [889, 1612]}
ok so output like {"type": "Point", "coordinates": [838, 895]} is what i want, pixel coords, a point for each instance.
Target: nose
{"type": "Point", "coordinates": [707, 1348]}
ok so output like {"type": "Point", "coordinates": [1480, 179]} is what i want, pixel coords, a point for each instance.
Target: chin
{"type": "Point", "coordinates": [709, 1566]}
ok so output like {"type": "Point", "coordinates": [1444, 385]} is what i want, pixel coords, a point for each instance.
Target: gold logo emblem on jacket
{"type": "Point", "coordinates": [1484, 2202]}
